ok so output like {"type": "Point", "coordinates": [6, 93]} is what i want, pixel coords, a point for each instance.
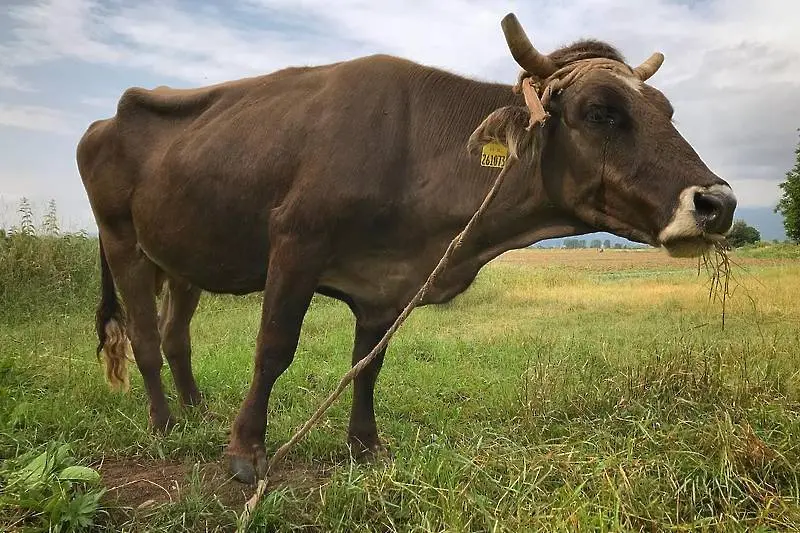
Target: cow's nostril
{"type": "Point", "coordinates": [714, 210]}
{"type": "Point", "coordinates": [706, 206]}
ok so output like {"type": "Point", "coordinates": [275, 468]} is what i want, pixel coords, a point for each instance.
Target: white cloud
{"type": "Point", "coordinates": [762, 193]}
{"type": "Point", "coordinates": [99, 101]}
{"type": "Point", "coordinates": [33, 117]}
{"type": "Point", "coordinates": [49, 29]}
{"type": "Point", "coordinates": [9, 80]}
{"type": "Point", "coordinates": [732, 67]}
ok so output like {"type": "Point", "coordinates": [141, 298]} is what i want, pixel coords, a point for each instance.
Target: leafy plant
{"type": "Point", "coordinates": [48, 491]}
{"type": "Point", "coordinates": [50, 220]}
{"type": "Point", "coordinates": [26, 217]}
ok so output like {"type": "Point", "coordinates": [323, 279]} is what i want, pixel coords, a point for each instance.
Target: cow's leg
{"type": "Point", "coordinates": [292, 278]}
{"type": "Point", "coordinates": [362, 434]}
{"type": "Point", "coordinates": [135, 275]}
{"type": "Point", "coordinates": [177, 308]}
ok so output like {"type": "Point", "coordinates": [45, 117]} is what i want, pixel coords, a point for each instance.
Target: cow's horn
{"type": "Point", "coordinates": [523, 51]}
{"type": "Point", "coordinates": [649, 67]}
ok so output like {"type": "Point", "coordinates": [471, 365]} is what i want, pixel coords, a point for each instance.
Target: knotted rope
{"type": "Point", "coordinates": [538, 93]}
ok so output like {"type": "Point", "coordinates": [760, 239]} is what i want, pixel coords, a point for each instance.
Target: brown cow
{"type": "Point", "coordinates": [350, 180]}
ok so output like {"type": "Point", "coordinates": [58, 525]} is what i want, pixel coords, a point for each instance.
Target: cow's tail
{"type": "Point", "coordinates": [110, 326]}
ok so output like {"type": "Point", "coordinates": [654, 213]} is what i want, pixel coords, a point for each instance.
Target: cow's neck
{"type": "Point", "coordinates": [519, 216]}
{"type": "Point", "coordinates": [521, 213]}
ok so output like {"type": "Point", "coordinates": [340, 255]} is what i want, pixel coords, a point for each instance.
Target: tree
{"type": "Point", "coordinates": [789, 203]}
{"type": "Point", "coordinates": [607, 243]}
{"type": "Point", "coordinates": [741, 233]}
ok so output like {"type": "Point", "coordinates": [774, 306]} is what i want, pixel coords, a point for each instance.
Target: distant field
{"type": "Point", "coordinates": [567, 390]}
{"type": "Point", "coordinates": [613, 259]}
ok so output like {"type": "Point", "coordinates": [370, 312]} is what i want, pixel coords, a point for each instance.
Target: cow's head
{"type": "Point", "coordinates": [609, 152]}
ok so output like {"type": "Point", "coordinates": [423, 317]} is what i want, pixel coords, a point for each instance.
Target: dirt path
{"type": "Point", "coordinates": [139, 483]}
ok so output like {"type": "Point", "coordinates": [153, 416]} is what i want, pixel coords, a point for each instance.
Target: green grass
{"type": "Point", "coordinates": [544, 398]}
{"type": "Point", "coordinates": [42, 276]}
{"type": "Point", "coordinates": [771, 251]}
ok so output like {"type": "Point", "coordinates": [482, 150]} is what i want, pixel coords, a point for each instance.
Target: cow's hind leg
{"type": "Point", "coordinates": [177, 308]}
{"type": "Point", "coordinates": [362, 434]}
{"type": "Point", "coordinates": [292, 277]}
{"type": "Point", "coordinates": [134, 275]}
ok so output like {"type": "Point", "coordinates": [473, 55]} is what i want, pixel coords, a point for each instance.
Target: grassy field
{"type": "Point", "coordinates": [565, 391]}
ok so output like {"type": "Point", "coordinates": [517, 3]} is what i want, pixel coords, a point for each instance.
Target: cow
{"type": "Point", "coordinates": [349, 180]}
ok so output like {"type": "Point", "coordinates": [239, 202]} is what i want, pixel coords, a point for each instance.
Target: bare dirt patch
{"type": "Point", "coordinates": [138, 483]}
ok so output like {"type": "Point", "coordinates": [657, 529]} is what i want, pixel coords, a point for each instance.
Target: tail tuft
{"type": "Point", "coordinates": [110, 326]}
{"type": "Point", "coordinates": [115, 352]}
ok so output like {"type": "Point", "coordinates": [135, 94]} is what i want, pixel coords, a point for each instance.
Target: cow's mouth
{"type": "Point", "coordinates": [692, 246]}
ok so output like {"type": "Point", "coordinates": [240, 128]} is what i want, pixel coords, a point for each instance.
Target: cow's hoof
{"type": "Point", "coordinates": [196, 408]}
{"type": "Point", "coordinates": [242, 470]}
{"type": "Point", "coordinates": [368, 453]}
{"type": "Point", "coordinates": [194, 400]}
{"type": "Point", "coordinates": [162, 425]}
{"type": "Point", "coordinates": [248, 469]}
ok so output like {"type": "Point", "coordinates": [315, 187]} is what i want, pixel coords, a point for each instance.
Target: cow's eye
{"type": "Point", "coordinates": [600, 114]}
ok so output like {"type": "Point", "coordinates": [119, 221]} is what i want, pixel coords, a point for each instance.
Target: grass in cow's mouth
{"type": "Point", "coordinates": [717, 263]}
{"type": "Point", "coordinates": [567, 390]}
{"type": "Point", "coordinates": [722, 282]}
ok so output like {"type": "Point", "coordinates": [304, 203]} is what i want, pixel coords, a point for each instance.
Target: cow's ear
{"type": "Point", "coordinates": [507, 126]}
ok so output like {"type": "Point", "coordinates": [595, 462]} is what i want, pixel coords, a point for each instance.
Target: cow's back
{"type": "Point", "coordinates": [354, 152]}
{"type": "Point", "coordinates": [203, 170]}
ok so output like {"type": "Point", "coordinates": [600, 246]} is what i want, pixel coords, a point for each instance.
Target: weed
{"type": "Point", "coordinates": [48, 491]}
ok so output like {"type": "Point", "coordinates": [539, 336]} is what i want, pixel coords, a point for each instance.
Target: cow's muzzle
{"type": "Point", "coordinates": [704, 215]}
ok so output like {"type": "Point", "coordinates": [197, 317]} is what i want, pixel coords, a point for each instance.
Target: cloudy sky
{"type": "Point", "coordinates": [732, 67]}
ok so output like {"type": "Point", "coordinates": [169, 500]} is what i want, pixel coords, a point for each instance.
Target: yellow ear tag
{"type": "Point", "coordinates": [494, 154]}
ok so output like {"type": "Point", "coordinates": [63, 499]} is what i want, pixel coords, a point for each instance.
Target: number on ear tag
{"type": "Point", "coordinates": [494, 154]}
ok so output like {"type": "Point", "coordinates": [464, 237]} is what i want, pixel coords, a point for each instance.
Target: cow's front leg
{"type": "Point", "coordinates": [292, 278]}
